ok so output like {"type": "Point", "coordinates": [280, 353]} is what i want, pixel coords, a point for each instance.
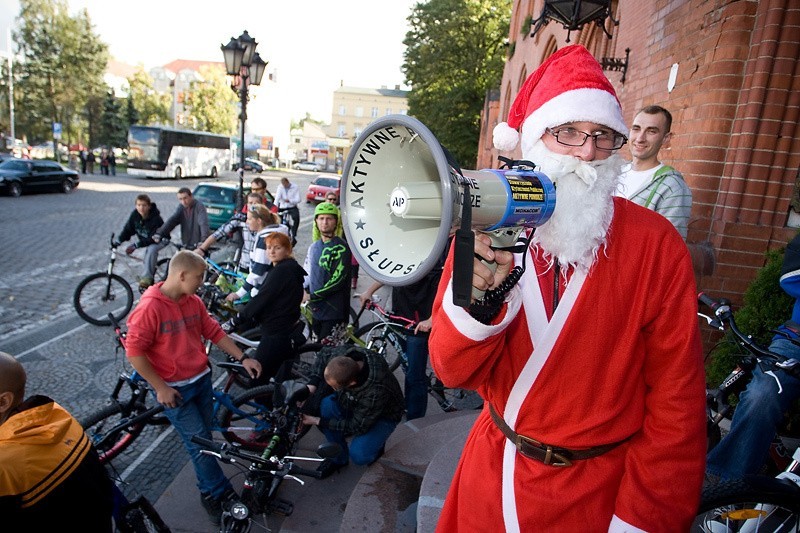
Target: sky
{"type": "Point", "coordinates": [313, 45]}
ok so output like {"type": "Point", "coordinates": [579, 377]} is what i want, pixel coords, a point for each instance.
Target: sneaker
{"type": "Point", "coordinates": [213, 507]}
{"type": "Point", "coordinates": [145, 283]}
{"type": "Point", "coordinates": [328, 467]}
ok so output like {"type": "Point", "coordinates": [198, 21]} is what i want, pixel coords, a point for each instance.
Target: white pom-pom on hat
{"type": "Point", "coordinates": [505, 137]}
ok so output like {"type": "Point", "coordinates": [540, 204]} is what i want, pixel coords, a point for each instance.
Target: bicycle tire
{"type": "Point", "coordinates": [162, 269]}
{"type": "Point", "coordinates": [378, 333]}
{"type": "Point", "coordinates": [452, 399]}
{"type": "Point", "coordinates": [100, 294]}
{"type": "Point", "coordinates": [254, 403]}
{"type": "Point", "coordinates": [139, 516]}
{"type": "Point", "coordinates": [95, 423]}
{"type": "Point", "coordinates": [738, 505]}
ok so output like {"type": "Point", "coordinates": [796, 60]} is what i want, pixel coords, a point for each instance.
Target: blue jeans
{"type": "Point", "coordinates": [364, 448]}
{"type": "Point", "coordinates": [744, 449]}
{"type": "Point", "coordinates": [416, 383]}
{"type": "Point", "coordinates": [151, 259]}
{"type": "Point", "coordinates": [194, 416]}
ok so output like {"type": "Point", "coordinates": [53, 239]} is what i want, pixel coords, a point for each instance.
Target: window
{"type": "Point", "coordinates": [374, 113]}
{"type": "Point", "coordinates": [359, 111]}
{"type": "Point", "coordinates": [388, 110]}
{"type": "Point", "coordinates": [357, 130]}
{"type": "Point", "coordinates": [341, 130]}
{"type": "Point", "coordinates": [342, 110]}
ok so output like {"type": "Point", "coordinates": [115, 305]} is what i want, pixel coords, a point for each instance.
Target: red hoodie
{"type": "Point", "coordinates": [171, 334]}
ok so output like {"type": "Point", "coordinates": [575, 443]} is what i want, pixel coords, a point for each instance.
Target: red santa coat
{"type": "Point", "coordinates": [620, 358]}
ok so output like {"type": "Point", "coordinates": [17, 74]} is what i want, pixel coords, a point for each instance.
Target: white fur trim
{"type": "Point", "coordinates": [505, 137]}
{"type": "Point", "coordinates": [578, 105]}
{"type": "Point", "coordinates": [471, 328]}
{"type": "Point", "coordinates": [618, 525]}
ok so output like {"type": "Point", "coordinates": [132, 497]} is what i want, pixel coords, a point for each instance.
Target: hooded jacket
{"type": "Point", "coordinates": [143, 228]}
{"type": "Point", "coordinates": [50, 475]}
{"type": "Point", "coordinates": [277, 305]}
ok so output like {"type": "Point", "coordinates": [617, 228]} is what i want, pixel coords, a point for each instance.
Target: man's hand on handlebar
{"type": "Point", "coordinates": [129, 250]}
{"type": "Point", "coordinates": [156, 238]}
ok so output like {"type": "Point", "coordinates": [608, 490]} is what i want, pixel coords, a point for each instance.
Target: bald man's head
{"type": "Point", "coordinates": [12, 384]}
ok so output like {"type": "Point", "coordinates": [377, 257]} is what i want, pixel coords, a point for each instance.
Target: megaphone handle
{"type": "Point", "coordinates": [501, 238]}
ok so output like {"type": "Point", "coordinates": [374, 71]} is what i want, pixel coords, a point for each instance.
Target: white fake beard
{"type": "Point", "coordinates": [584, 206]}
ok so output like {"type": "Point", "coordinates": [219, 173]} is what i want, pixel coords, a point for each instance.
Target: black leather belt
{"type": "Point", "coordinates": [549, 455]}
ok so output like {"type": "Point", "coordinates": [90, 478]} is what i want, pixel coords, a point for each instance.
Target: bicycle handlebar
{"type": "Point", "coordinates": [225, 452]}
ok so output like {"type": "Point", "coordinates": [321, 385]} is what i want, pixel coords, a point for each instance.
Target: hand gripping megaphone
{"type": "Point", "coordinates": [401, 200]}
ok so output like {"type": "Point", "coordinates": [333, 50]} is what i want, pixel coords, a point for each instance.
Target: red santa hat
{"type": "Point", "coordinates": [568, 87]}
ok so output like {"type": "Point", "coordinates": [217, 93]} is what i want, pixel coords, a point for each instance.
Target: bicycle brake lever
{"type": "Point", "coordinates": [295, 478]}
{"type": "Point", "coordinates": [713, 322]}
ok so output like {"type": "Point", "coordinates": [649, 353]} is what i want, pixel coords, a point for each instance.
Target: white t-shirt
{"type": "Point", "coordinates": [632, 181]}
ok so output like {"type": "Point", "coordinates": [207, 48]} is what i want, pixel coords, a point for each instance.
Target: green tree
{"type": "Point", "coordinates": [151, 107]}
{"type": "Point", "coordinates": [61, 69]}
{"type": "Point", "coordinates": [131, 114]}
{"type": "Point", "coordinates": [113, 125]}
{"type": "Point", "coordinates": [454, 54]}
{"type": "Point", "coordinates": [210, 103]}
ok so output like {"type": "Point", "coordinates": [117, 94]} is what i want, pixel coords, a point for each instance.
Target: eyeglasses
{"type": "Point", "coordinates": [257, 189]}
{"type": "Point", "coordinates": [602, 140]}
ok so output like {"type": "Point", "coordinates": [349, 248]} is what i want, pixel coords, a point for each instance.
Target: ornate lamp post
{"type": "Point", "coordinates": [247, 68]}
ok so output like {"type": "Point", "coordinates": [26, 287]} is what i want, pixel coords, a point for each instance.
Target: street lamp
{"type": "Point", "coordinates": [247, 68]}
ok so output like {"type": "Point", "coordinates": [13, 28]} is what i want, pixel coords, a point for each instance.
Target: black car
{"type": "Point", "coordinates": [26, 175]}
{"type": "Point", "coordinates": [253, 165]}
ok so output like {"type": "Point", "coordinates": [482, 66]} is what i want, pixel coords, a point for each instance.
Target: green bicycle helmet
{"type": "Point", "coordinates": [326, 208]}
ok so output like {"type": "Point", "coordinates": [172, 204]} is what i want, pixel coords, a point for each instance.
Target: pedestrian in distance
{"type": "Point", "coordinates": [50, 475]}
{"type": "Point", "coordinates": [647, 181]}
{"type": "Point", "coordinates": [591, 364]}
{"type": "Point", "coordinates": [165, 344]}
{"type": "Point", "coordinates": [90, 159]}
{"type": "Point", "coordinates": [288, 197]}
{"type": "Point", "coordinates": [82, 155]}
{"type": "Point", "coordinates": [112, 162]}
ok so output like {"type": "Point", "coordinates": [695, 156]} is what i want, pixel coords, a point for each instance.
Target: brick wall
{"type": "Point", "coordinates": [735, 106]}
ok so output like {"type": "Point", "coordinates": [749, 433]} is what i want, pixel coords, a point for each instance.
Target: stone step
{"type": "Point", "coordinates": [385, 498]}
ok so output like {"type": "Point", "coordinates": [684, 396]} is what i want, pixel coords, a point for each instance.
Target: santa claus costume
{"type": "Point", "coordinates": [595, 353]}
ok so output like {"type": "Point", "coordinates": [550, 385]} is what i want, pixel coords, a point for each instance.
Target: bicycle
{"type": "Point", "coordinates": [137, 516]}
{"type": "Point", "coordinates": [288, 220]}
{"type": "Point", "coordinates": [267, 471]}
{"type": "Point", "coordinates": [756, 503]}
{"type": "Point", "coordinates": [102, 293]}
{"type": "Point", "coordinates": [388, 335]}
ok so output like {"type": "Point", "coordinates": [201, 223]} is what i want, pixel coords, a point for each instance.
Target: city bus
{"type": "Point", "coordinates": [155, 151]}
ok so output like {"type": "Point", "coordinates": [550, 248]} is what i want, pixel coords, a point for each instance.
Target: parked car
{"type": "Point", "coordinates": [220, 201]}
{"type": "Point", "coordinates": [25, 175]}
{"type": "Point", "coordinates": [251, 164]}
{"type": "Point", "coordinates": [308, 165]}
{"type": "Point", "coordinates": [321, 186]}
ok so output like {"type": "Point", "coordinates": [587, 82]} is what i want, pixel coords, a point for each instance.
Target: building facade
{"type": "Point", "coordinates": [355, 107]}
{"type": "Point", "coordinates": [728, 71]}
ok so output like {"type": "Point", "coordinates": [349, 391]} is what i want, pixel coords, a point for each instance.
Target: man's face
{"type": "Point", "coordinates": [648, 134]}
{"type": "Point", "coordinates": [185, 199]}
{"type": "Point", "coordinates": [143, 208]}
{"type": "Point", "coordinates": [256, 188]}
{"type": "Point", "coordinates": [326, 225]}
{"type": "Point", "coordinates": [285, 182]}
{"type": "Point", "coordinates": [587, 152]}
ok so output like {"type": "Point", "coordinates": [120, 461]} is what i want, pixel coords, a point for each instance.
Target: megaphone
{"type": "Point", "coordinates": [401, 199]}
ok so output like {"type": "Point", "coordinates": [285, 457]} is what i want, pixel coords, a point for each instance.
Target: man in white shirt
{"type": "Point", "coordinates": [287, 197]}
{"type": "Point", "coordinates": [647, 181]}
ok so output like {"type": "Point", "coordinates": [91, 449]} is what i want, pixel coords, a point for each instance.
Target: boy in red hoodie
{"type": "Point", "coordinates": [165, 345]}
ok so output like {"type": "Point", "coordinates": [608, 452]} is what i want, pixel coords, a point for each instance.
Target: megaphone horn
{"type": "Point", "coordinates": [401, 199]}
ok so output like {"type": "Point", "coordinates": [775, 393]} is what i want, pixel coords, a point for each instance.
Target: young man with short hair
{"type": "Point", "coordinates": [647, 181]}
{"type": "Point", "coordinates": [165, 345]}
{"type": "Point", "coordinates": [288, 197]}
{"type": "Point", "coordinates": [143, 222]}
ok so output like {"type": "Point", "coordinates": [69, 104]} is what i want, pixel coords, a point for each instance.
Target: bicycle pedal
{"type": "Point", "coordinates": [281, 507]}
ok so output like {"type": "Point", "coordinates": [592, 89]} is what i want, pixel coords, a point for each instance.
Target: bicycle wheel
{"type": "Point", "coordinates": [139, 516]}
{"type": "Point", "coordinates": [384, 339]}
{"type": "Point", "coordinates": [452, 399]}
{"type": "Point", "coordinates": [242, 427]}
{"type": "Point", "coordinates": [100, 294]}
{"type": "Point", "coordinates": [755, 504]}
{"type": "Point", "coordinates": [96, 426]}
{"type": "Point", "coordinates": [162, 269]}
{"type": "Point", "coordinates": [306, 356]}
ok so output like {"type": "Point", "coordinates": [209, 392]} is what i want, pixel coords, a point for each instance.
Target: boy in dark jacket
{"type": "Point", "coordinates": [143, 223]}
{"type": "Point", "coordinates": [366, 403]}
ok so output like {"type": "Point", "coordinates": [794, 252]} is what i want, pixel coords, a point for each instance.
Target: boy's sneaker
{"type": "Point", "coordinates": [145, 283]}
{"type": "Point", "coordinates": [213, 506]}
{"type": "Point", "coordinates": [328, 467]}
